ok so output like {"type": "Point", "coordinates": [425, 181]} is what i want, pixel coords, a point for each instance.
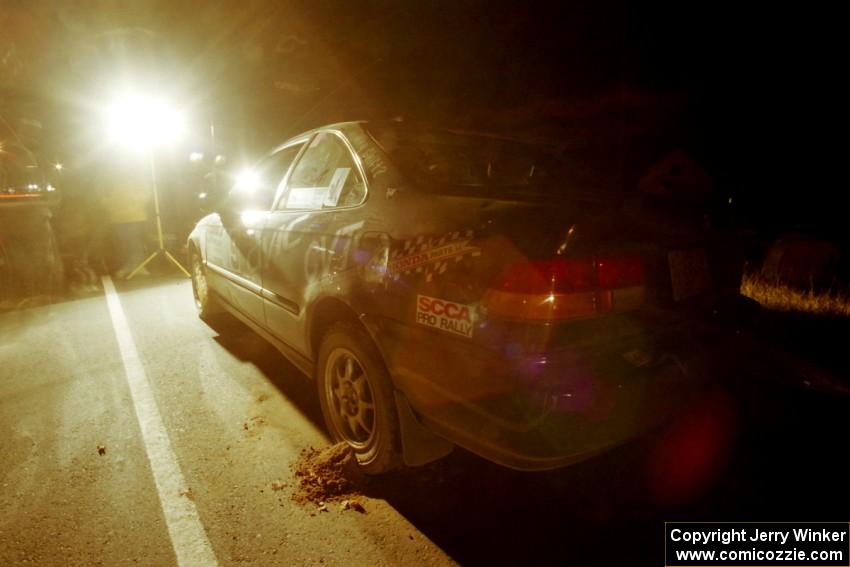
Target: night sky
{"type": "Point", "coordinates": [749, 92]}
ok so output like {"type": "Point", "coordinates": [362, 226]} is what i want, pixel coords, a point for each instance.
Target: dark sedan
{"type": "Point", "coordinates": [449, 288]}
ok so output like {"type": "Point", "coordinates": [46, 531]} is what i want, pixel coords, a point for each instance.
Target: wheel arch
{"type": "Point", "coordinates": [325, 313]}
{"type": "Point", "coordinates": [194, 244]}
{"type": "Point", "coordinates": [419, 445]}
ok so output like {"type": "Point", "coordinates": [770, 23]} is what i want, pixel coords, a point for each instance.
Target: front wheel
{"type": "Point", "coordinates": [356, 396]}
{"type": "Point", "coordinates": [205, 301]}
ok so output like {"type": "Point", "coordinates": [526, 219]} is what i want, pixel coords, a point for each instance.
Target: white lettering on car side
{"type": "Point", "coordinates": [320, 259]}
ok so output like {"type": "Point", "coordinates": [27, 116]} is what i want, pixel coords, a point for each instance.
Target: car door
{"type": "Point", "coordinates": [308, 234]}
{"type": "Point", "coordinates": [234, 249]}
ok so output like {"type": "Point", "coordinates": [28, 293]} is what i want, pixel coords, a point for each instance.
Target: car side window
{"type": "Point", "coordinates": [257, 187]}
{"type": "Point", "coordinates": [326, 176]}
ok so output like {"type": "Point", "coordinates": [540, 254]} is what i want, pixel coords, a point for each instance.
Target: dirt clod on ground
{"type": "Point", "coordinates": [254, 422]}
{"type": "Point", "coordinates": [327, 475]}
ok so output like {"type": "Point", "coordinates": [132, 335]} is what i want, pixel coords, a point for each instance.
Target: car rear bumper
{"type": "Point", "coordinates": [535, 411]}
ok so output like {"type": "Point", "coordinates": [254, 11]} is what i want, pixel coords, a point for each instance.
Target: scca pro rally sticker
{"type": "Point", "coordinates": [445, 315]}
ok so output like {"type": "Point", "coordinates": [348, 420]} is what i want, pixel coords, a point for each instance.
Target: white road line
{"type": "Point", "coordinates": [188, 537]}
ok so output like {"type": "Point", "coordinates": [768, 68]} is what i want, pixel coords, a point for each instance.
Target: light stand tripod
{"type": "Point", "coordinates": [161, 250]}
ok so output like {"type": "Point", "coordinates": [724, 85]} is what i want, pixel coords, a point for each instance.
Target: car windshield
{"type": "Point", "coordinates": [470, 160]}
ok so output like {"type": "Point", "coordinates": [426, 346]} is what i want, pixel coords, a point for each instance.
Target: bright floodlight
{"type": "Point", "coordinates": [247, 181]}
{"type": "Point", "coordinates": [142, 122]}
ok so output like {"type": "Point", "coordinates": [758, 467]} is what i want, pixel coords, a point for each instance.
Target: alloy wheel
{"type": "Point", "coordinates": [350, 398]}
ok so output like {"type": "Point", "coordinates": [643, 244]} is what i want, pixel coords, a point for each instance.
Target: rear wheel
{"type": "Point", "coordinates": [356, 396]}
{"type": "Point", "coordinates": [205, 300]}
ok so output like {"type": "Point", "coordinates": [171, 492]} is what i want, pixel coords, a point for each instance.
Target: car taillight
{"type": "Point", "coordinates": [619, 272]}
{"type": "Point", "coordinates": [545, 276]}
{"type": "Point", "coordinates": [567, 288]}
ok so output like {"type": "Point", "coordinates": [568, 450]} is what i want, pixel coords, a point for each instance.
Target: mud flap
{"type": "Point", "coordinates": [420, 445]}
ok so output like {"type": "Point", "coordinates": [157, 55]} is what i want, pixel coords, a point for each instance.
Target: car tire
{"type": "Point", "coordinates": [356, 396]}
{"type": "Point", "coordinates": [205, 299]}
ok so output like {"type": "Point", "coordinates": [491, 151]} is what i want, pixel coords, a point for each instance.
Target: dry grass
{"type": "Point", "coordinates": [774, 295]}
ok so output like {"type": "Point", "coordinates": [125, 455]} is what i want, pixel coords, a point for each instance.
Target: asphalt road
{"type": "Point", "coordinates": [196, 423]}
{"type": "Point", "coordinates": [236, 415]}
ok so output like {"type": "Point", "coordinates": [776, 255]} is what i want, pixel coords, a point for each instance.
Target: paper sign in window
{"type": "Point", "coordinates": [306, 197]}
{"type": "Point", "coordinates": [336, 185]}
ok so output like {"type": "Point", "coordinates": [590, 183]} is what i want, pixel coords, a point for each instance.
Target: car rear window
{"type": "Point", "coordinates": [471, 160]}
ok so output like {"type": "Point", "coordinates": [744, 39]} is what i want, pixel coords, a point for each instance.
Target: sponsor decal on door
{"type": "Point", "coordinates": [432, 256]}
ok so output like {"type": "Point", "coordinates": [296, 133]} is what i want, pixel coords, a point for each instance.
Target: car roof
{"type": "Point", "coordinates": [342, 126]}
{"type": "Point", "coordinates": [409, 126]}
